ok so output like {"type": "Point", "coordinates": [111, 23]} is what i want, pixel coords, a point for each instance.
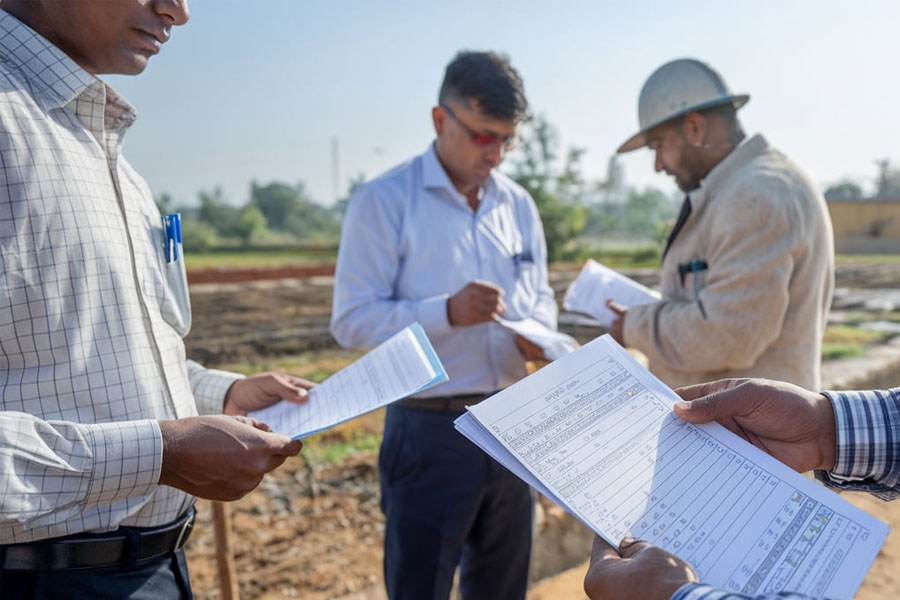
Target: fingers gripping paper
{"type": "Point", "coordinates": [403, 365]}
{"type": "Point", "coordinates": [595, 432]}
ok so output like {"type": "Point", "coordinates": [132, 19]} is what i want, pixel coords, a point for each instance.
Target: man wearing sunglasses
{"type": "Point", "coordinates": [447, 241]}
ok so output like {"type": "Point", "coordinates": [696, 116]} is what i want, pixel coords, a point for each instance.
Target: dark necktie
{"type": "Point", "coordinates": [682, 219]}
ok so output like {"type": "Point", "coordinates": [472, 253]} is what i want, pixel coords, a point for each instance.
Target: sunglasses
{"type": "Point", "coordinates": [484, 139]}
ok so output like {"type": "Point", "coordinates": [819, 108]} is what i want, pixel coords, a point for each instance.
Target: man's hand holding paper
{"type": "Point", "coordinates": [596, 284]}
{"type": "Point", "coordinates": [403, 365]}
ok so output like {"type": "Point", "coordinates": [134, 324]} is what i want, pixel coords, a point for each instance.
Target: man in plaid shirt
{"type": "Point", "coordinates": [849, 438]}
{"type": "Point", "coordinates": [101, 448]}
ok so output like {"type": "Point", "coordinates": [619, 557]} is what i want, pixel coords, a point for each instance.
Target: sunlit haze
{"type": "Point", "coordinates": [258, 90]}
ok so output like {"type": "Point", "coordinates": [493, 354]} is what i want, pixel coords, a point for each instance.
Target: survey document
{"type": "Point", "coordinates": [554, 343]}
{"type": "Point", "coordinates": [595, 432]}
{"type": "Point", "coordinates": [598, 283]}
{"type": "Point", "coordinates": [401, 366]}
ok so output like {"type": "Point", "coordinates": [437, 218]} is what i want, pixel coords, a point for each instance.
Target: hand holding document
{"type": "Point", "coordinates": [403, 365]}
{"type": "Point", "coordinates": [596, 284]}
{"type": "Point", "coordinates": [595, 432]}
{"type": "Point", "coordinates": [554, 343]}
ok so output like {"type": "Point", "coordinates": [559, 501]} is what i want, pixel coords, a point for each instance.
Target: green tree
{"type": "Point", "coordinates": [217, 213]}
{"type": "Point", "coordinates": [289, 208]}
{"type": "Point", "coordinates": [197, 236]}
{"type": "Point", "coordinates": [251, 221]}
{"type": "Point", "coordinates": [557, 191]}
{"type": "Point", "coordinates": [645, 210]}
{"type": "Point", "coordinates": [844, 190]}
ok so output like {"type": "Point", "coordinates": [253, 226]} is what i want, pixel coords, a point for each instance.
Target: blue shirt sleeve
{"type": "Point", "coordinates": [700, 591]}
{"type": "Point", "coordinates": [868, 442]}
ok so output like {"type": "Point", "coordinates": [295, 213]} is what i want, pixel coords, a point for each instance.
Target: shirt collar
{"type": "Point", "coordinates": [52, 77]}
{"type": "Point", "coordinates": [435, 177]}
{"type": "Point", "coordinates": [742, 154]}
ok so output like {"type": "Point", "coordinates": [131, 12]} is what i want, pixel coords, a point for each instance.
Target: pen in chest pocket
{"type": "Point", "coordinates": [172, 229]}
{"type": "Point", "coordinates": [694, 266]}
{"type": "Point", "coordinates": [176, 271]}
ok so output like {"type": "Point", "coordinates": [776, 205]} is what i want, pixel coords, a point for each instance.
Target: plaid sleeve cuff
{"type": "Point", "coordinates": [867, 425]}
{"type": "Point", "coordinates": [209, 387]}
{"type": "Point", "coordinates": [126, 458]}
{"type": "Point", "coordinates": [701, 591]}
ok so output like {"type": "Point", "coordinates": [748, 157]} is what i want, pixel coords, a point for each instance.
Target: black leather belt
{"type": "Point", "coordinates": [125, 545]}
{"type": "Point", "coordinates": [447, 403]}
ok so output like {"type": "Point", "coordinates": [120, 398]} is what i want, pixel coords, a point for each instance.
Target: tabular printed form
{"type": "Point", "coordinates": [597, 431]}
{"type": "Point", "coordinates": [403, 365]}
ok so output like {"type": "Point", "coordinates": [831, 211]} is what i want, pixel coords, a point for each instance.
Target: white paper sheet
{"type": "Point", "coordinates": [402, 365]}
{"type": "Point", "coordinates": [595, 432]}
{"type": "Point", "coordinates": [554, 343]}
{"type": "Point", "coordinates": [597, 283]}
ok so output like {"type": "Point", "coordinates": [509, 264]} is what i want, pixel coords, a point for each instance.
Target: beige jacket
{"type": "Point", "coordinates": [760, 308]}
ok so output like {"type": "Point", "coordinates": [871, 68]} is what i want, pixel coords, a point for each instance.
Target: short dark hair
{"type": "Point", "coordinates": [489, 79]}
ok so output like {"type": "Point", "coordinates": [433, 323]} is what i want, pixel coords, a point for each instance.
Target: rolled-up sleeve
{"type": "Point", "coordinates": [51, 471]}
{"type": "Point", "coordinates": [366, 310]}
{"type": "Point", "coordinates": [867, 426]}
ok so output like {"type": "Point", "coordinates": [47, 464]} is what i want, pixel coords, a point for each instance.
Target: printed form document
{"type": "Point", "coordinates": [598, 283]}
{"type": "Point", "coordinates": [403, 365]}
{"type": "Point", "coordinates": [595, 432]}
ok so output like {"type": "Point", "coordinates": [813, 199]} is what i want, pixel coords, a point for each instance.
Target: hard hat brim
{"type": "Point", "coordinates": [639, 139]}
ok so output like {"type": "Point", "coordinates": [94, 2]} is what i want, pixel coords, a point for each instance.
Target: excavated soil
{"type": "Point", "coordinates": [314, 530]}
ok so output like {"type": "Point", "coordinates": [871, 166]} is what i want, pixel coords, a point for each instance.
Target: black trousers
{"type": "Point", "coordinates": [160, 578]}
{"type": "Point", "coordinates": [447, 503]}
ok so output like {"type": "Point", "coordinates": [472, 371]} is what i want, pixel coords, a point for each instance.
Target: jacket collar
{"type": "Point", "coordinates": [744, 153]}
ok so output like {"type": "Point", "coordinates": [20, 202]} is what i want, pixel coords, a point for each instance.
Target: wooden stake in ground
{"type": "Point", "coordinates": [228, 582]}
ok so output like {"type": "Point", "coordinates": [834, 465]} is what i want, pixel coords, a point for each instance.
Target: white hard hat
{"type": "Point", "coordinates": [679, 87]}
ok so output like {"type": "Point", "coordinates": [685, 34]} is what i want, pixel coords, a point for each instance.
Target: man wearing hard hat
{"type": "Point", "coordinates": [748, 269]}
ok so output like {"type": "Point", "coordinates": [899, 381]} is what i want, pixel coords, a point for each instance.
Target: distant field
{"type": "Point", "coordinates": [613, 256]}
{"type": "Point", "coordinates": [868, 258]}
{"type": "Point", "coordinates": [271, 259]}
{"type": "Point", "coordinates": [259, 259]}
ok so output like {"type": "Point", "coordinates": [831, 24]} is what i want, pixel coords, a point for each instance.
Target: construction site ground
{"type": "Point", "coordinates": [313, 529]}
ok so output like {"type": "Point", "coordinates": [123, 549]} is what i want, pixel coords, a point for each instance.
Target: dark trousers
{"type": "Point", "coordinates": [447, 503]}
{"type": "Point", "coordinates": [155, 579]}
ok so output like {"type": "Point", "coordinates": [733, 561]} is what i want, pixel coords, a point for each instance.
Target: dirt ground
{"type": "Point", "coordinates": [314, 529]}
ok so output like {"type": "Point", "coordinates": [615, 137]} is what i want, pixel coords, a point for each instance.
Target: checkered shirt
{"type": "Point", "coordinates": [91, 351]}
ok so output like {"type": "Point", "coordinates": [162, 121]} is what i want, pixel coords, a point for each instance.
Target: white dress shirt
{"type": "Point", "coordinates": [91, 351]}
{"type": "Point", "coordinates": [410, 241]}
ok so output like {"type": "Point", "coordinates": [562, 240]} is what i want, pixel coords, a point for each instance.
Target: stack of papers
{"type": "Point", "coordinates": [596, 284]}
{"type": "Point", "coordinates": [594, 431]}
{"type": "Point", "coordinates": [554, 343]}
{"type": "Point", "coordinates": [403, 365]}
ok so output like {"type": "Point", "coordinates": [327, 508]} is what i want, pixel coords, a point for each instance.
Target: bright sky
{"type": "Point", "coordinates": [257, 89]}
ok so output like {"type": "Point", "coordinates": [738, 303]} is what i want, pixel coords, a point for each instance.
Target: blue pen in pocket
{"type": "Point", "coordinates": [695, 266]}
{"type": "Point", "coordinates": [172, 228]}
{"type": "Point", "coordinates": [176, 272]}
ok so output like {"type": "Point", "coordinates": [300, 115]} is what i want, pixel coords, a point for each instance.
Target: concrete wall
{"type": "Point", "coordinates": [866, 226]}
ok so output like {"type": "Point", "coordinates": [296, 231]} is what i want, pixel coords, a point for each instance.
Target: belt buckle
{"type": "Point", "coordinates": [185, 528]}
